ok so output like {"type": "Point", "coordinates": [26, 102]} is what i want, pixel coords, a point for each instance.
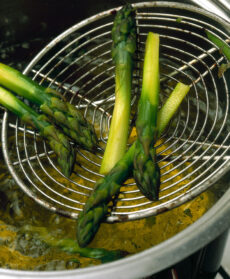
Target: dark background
{"type": "Point", "coordinates": [26, 26]}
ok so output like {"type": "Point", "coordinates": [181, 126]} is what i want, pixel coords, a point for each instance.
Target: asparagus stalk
{"type": "Point", "coordinates": [171, 105]}
{"type": "Point", "coordinates": [146, 171]}
{"type": "Point", "coordinates": [222, 45]}
{"type": "Point", "coordinates": [52, 104]}
{"type": "Point", "coordinates": [106, 188]}
{"type": "Point", "coordinates": [146, 122]}
{"type": "Point", "coordinates": [123, 49]}
{"type": "Point", "coordinates": [70, 246]}
{"type": "Point", "coordinates": [56, 139]}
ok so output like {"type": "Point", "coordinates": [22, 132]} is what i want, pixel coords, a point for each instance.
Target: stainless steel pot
{"type": "Point", "coordinates": [209, 227]}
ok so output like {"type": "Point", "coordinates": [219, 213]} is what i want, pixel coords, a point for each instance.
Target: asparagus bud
{"type": "Point", "coordinates": [56, 139]}
{"type": "Point", "coordinates": [52, 104]}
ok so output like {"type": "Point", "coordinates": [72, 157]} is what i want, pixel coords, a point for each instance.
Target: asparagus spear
{"type": "Point", "coordinates": [170, 106]}
{"type": "Point", "coordinates": [224, 48]}
{"type": "Point", "coordinates": [148, 103]}
{"type": "Point", "coordinates": [51, 103]}
{"type": "Point", "coordinates": [107, 187]}
{"type": "Point", "coordinates": [56, 139]}
{"type": "Point", "coordinates": [146, 171]}
{"type": "Point", "coordinates": [123, 49]}
{"type": "Point", "coordinates": [70, 246]}
{"type": "Point", "coordinates": [222, 45]}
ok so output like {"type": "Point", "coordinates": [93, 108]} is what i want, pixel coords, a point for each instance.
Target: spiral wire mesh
{"type": "Point", "coordinates": [192, 152]}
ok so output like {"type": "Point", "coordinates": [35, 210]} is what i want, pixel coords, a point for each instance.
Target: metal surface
{"type": "Point", "coordinates": [194, 151]}
{"type": "Point", "coordinates": [218, 7]}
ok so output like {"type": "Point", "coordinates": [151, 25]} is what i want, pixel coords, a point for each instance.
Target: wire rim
{"type": "Point", "coordinates": [193, 151]}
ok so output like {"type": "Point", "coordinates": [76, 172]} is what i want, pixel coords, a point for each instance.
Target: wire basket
{"type": "Point", "coordinates": [192, 153]}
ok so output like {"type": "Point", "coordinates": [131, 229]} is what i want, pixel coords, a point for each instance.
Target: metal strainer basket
{"type": "Point", "coordinates": [192, 153]}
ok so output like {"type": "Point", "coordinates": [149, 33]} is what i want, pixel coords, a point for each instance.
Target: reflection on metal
{"type": "Point", "coordinates": [218, 7]}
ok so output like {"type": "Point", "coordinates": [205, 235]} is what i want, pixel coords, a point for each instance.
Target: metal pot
{"type": "Point", "coordinates": [151, 261]}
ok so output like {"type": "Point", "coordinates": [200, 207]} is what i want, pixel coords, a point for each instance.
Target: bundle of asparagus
{"type": "Point", "coordinates": [123, 49]}
{"type": "Point", "coordinates": [51, 103]}
{"type": "Point", "coordinates": [96, 209]}
{"type": "Point", "coordinates": [117, 165]}
{"type": "Point", "coordinates": [56, 139]}
{"type": "Point", "coordinates": [140, 159]}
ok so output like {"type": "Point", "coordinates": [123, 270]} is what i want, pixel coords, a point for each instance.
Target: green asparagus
{"type": "Point", "coordinates": [70, 246]}
{"type": "Point", "coordinates": [223, 47]}
{"type": "Point", "coordinates": [56, 139]}
{"type": "Point", "coordinates": [170, 106]}
{"type": "Point", "coordinates": [51, 103]}
{"type": "Point", "coordinates": [148, 103]}
{"type": "Point", "coordinates": [106, 188]}
{"type": "Point", "coordinates": [146, 171]}
{"type": "Point", "coordinates": [123, 49]}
